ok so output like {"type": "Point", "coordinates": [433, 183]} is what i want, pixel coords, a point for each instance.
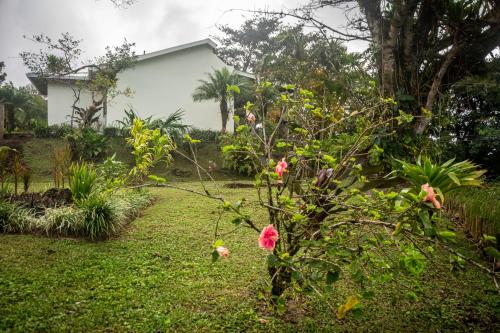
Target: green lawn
{"type": "Point", "coordinates": [157, 276]}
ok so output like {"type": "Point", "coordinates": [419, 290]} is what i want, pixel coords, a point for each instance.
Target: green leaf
{"type": "Point", "coordinates": [454, 177]}
{"type": "Point", "coordinates": [397, 230]}
{"type": "Point", "coordinates": [423, 215]}
{"type": "Point", "coordinates": [218, 243]}
{"type": "Point", "coordinates": [447, 235]}
{"type": "Point", "coordinates": [215, 255]}
{"type": "Point", "coordinates": [492, 252]}
{"type": "Point", "coordinates": [272, 260]}
{"type": "Point", "coordinates": [332, 276]}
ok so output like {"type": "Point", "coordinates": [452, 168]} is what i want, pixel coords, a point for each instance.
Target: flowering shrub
{"type": "Point", "coordinates": [321, 225]}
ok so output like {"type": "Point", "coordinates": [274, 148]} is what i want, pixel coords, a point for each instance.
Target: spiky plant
{"type": "Point", "coordinates": [442, 177]}
{"type": "Point", "coordinates": [82, 180]}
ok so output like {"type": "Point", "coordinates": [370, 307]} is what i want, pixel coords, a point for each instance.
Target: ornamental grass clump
{"type": "Point", "coordinates": [82, 180]}
{"type": "Point", "coordinates": [14, 218]}
{"type": "Point", "coordinates": [99, 217]}
{"type": "Point", "coordinates": [61, 221]}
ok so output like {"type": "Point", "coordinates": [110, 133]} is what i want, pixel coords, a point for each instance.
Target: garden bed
{"type": "Point", "coordinates": [54, 213]}
{"type": "Point", "coordinates": [38, 202]}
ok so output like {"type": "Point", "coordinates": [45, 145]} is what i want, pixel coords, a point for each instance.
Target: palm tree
{"type": "Point", "coordinates": [172, 125]}
{"type": "Point", "coordinates": [215, 88]}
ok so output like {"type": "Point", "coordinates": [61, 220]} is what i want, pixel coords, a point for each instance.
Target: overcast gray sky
{"type": "Point", "coordinates": [151, 24]}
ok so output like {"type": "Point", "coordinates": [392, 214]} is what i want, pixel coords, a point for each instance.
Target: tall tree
{"type": "Point", "coordinates": [14, 100]}
{"type": "Point", "coordinates": [421, 47]}
{"type": "Point", "coordinates": [470, 125]}
{"type": "Point", "coordinates": [216, 88]}
{"type": "Point", "coordinates": [2, 74]}
{"type": "Point", "coordinates": [245, 46]}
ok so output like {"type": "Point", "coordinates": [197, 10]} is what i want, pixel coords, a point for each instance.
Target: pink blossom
{"type": "Point", "coordinates": [431, 196]}
{"type": "Point", "coordinates": [281, 167]}
{"type": "Point", "coordinates": [222, 251]}
{"type": "Point", "coordinates": [251, 118]}
{"type": "Point", "coordinates": [268, 237]}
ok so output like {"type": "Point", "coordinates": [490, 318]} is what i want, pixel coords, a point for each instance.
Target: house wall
{"type": "Point", "coordinates": [60, 98]}
{"type": "Point", "coordinates": [164, 84]}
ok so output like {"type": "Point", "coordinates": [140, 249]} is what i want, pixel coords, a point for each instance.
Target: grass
{"type": "Point", "coordinates": [157, 276]}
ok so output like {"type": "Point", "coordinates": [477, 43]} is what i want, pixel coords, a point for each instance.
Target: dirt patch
{"type": "Point", "coordinates": [38, 201]}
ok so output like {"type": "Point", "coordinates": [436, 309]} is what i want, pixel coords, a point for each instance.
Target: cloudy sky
{"type": "Point", "coordinates": [151, 24]}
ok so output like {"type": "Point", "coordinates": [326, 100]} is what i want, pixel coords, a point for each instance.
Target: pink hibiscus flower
{"type": "Point", "coordinates": [431, 196]}
{"type": "Point", "coordinates": [268, 238]}
{"type": "Point", "coordinates": [281, 167]}
{"type": "Point", "coordinates": [222, 251]}
{"type": "Point", "coordinates": [251, 118]}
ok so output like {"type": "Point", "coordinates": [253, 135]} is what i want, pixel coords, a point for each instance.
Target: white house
{"type": "Point", "coordinates": [162, 82]}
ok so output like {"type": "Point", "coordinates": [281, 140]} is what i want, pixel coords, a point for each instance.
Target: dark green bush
{"type": "Point", "coordinates": [52, 131]}
{"type": "Point", "coordinates": [112, 132]}
{"type": "Point", "coordinates": [87, 144]}
{"type": "Point", "coordinates": [205, 136]}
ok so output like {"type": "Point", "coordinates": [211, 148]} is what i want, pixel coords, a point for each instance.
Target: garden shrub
{"type": "Point", "coordinates": [236, 152]}
{"type": "Point", "coordinates": [205, 136]}
{"type": "Point", "coordinates": [150, 147]}
{"type": "Point", "coordinates": [87, 144]}
{"type": "Point", "coordinates": [113, 172]}
{"type": "Point", "coordinates": [321, 226]}
{"type": "Point", "coordinates": [52, 131]}
{"type": "Point", "coordinates": [112, 132]}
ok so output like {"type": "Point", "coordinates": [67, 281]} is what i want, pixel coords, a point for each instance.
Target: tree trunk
{"type": "Point", "coordinates": [2, 120]}
{"type": "Point", "coordinates": [224, 113]}
{"type": "Point", "coordinates": [280, 280]}
{"type": "Point", "coordinates": [10, 115]}
{"type": "Point", "coordinates": [433, 92]}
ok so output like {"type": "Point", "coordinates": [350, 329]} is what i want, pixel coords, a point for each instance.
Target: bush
{"type": "Point", "coordinates": [87, 144]}
{"type": "Point", "coordinates": [52, 131]}
{"type": "Point", "coordinates": [82, 180]}
{"type": "Point", "coordinates": [96, 217]}
{"type": "Point", "coordinates": [205, 136]}
{"type": "Point", "coordinates": [236, 151]}
{"type": "Point", "coordinates": [111, 132]}
{"type": "Point", "coordinates": [113, 172]}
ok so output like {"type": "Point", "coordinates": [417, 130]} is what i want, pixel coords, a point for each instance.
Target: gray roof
{"type": "Point", "coordinates": [41, 82]}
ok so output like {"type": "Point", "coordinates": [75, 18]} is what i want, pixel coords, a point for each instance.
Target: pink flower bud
{"type": "Point", "coordinates": [222, 251]}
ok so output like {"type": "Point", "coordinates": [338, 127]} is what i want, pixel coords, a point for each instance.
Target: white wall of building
{"type": "Point", "coordinates": [164, 84]}
{"type": "Point", "coordinates": [60, 99]}
{"type": "Point", "coordinates": [161, 85]}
